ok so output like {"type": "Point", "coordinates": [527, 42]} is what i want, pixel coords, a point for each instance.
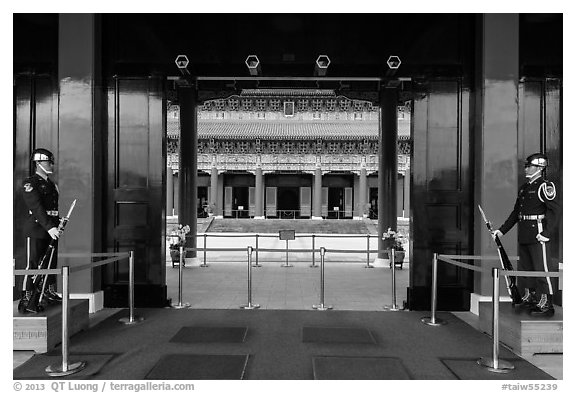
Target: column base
{"type": "Point", "coordinates": [317, 218]}
{"type": "Point", "coordinates": [195, 261]}
{"type": "Point", "coordinates": [381, 262]}
{"type": "Point", "coordinates": [95, 300]}
{"type": "Point", "coordinates": [259, 217]}
{"type": "Point", "coordinates": [476, 298]}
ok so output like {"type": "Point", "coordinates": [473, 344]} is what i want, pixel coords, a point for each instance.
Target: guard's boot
{"type": "Point", "coordinates": [23, 303]}
{"type": "Point", "coordinates": [51, 295]}
{"type": "Point", "coordinates": [33, 304]}
{"type": "Point", "coordinates": [528, 300]}
{"type": "Point", "coordinates": [544, 308]}
{"type": "Point", "coordinates": [45, 301]}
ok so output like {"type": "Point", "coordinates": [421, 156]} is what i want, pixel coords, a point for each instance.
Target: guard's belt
{"type": "Point", "coordinates": [53, 213]}
{"type": "Point", "coordinates": [532, 217]}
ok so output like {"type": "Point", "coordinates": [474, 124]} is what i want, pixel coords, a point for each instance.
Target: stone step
{"type": "Point", "coordinates": [42, 331]}
{"type": "Point", "coordinates": [523, 333]}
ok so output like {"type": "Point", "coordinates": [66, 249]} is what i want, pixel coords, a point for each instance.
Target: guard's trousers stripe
{"type": "Point", "coordinates": [545, 259]}
{"type": "Point", "coordinates": [27, 263]}
{"type": "Point", "coordinates": [545, 263]}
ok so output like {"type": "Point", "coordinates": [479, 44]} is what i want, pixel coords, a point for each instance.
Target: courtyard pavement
{"type": "Point", "coordinates": [348, 283]}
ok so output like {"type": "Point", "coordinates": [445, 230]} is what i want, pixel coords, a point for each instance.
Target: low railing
{"type": "Point", "coordinates": [291, 214]}
{"type": "Point", "coordinates": [250, 250]}
{"type": "Point", "coordinates": [313, 238]}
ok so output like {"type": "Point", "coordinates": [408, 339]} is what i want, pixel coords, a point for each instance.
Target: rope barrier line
{"type": "Point", "coordinates": [270, 261]}
{"type": "Point", "coordinates": [294, 250]}
{"type": "Point", "coordinates": [283, 250]}
{"type": "Point", "coordinates": [359, 236]}
{"type": "Point", "coordinates": [74, 269]}
{"type": "Point", "coordinates": [232, 235]}
{"type": "Point", "coordinates": [476, 257]}
{"type": "Point", "coordinates": [516, 273]}
{"type": "Point", "coordinates": [524, 273]}
{"type": "Point", "coordinates": [26, 272]}
{"type": "Point", "coordinates": [464, 265]}
{"type": "Point", "coordinates": [351, 251]}
{"type": "Point", "coordinates": [97, 254]}
{"type": "Point", "coordinates": [215, 249]}
{"type": "Point", "coordinates": [96, 264]}
{"type": "Point", "coordinates": [299, 250]}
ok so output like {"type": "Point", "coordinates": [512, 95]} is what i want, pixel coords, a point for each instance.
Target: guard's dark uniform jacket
{"type": "Point", "coordinates": [41, 197]}
{"type": "Point", "coordinates": [534, 199]}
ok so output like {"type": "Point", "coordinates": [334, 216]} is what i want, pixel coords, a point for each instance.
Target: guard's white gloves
{"type": "Point", "coordinates": [54, 233]}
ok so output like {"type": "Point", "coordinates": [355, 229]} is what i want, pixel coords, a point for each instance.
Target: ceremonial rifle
{"type": "Point", "coordinates": [39, 281]}
{"type": "Point", "coordinates": [505, 262]}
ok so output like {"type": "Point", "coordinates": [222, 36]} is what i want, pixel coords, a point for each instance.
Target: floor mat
{"type": "Point", "coordinates": [207, 334]}
{"type": "Point", "coordinates": [36, 366]}
{"type": "Point", "coordinates": [359, 368]}
{"type": "Point", "coordinates": [337, 335]}
{"type": "Point", "coordinates": [470, 369]}
{"type": "Point", "coordinates": [187, 367]}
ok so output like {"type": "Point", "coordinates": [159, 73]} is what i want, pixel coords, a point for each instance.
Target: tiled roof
{"type": "Point", "coordinates": [288, 130]}
{"type": "Point", "coordinates": [288, 92]}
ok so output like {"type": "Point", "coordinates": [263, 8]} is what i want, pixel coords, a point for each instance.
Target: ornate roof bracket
{"type": "Point", "coordinates": [269, 163]}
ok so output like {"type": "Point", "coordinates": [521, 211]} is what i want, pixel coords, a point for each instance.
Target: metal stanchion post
{"type": "Point", "coordinates": [393, 306]}
{"type": "Point", "coordinates": [250, 306]}
{"type": "Point", "coordinates": [131, 320]}
{"type": "Point", "coordinates": [256, 264]}
{"type": "Point", "coordinates": [313, 251]}
{"type": "Point", "coordinates": [63, 369]}
{"type": "Point", "coordinates": [496, 365]}
{"type": "Point", "coordinates": [204, 263]}
{"type": "Point", "coordinates": [286, 264]}
{"type": "Point", "coordinates": [180, 274]}
{"type": "Point", "coordinates": [321, 306]}
{"type": "Point", "coordinates": [368, 252]}
{"type": "Point", "coordinates": [432, 320]}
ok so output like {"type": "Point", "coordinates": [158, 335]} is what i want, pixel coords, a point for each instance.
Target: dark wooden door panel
{"type": "Point", "coordinates": [541, 131]}
{"type": "Point", "coordinates": [136, 171]}
{"type": "Point", "coordinates": [35, 125]}
{"type": "Point", "coordinates": [540, 124]}
{"type": "Point", "coordinates": [441, 197]}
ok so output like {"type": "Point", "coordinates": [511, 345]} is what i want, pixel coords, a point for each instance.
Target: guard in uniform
{"type": "Point", "coordinates": [537, 213]}
{"type": "Point", "coordinates": [41, 226]}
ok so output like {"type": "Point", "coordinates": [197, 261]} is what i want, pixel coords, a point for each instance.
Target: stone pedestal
{"type": "Point", "coordinates": [41, 332]}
